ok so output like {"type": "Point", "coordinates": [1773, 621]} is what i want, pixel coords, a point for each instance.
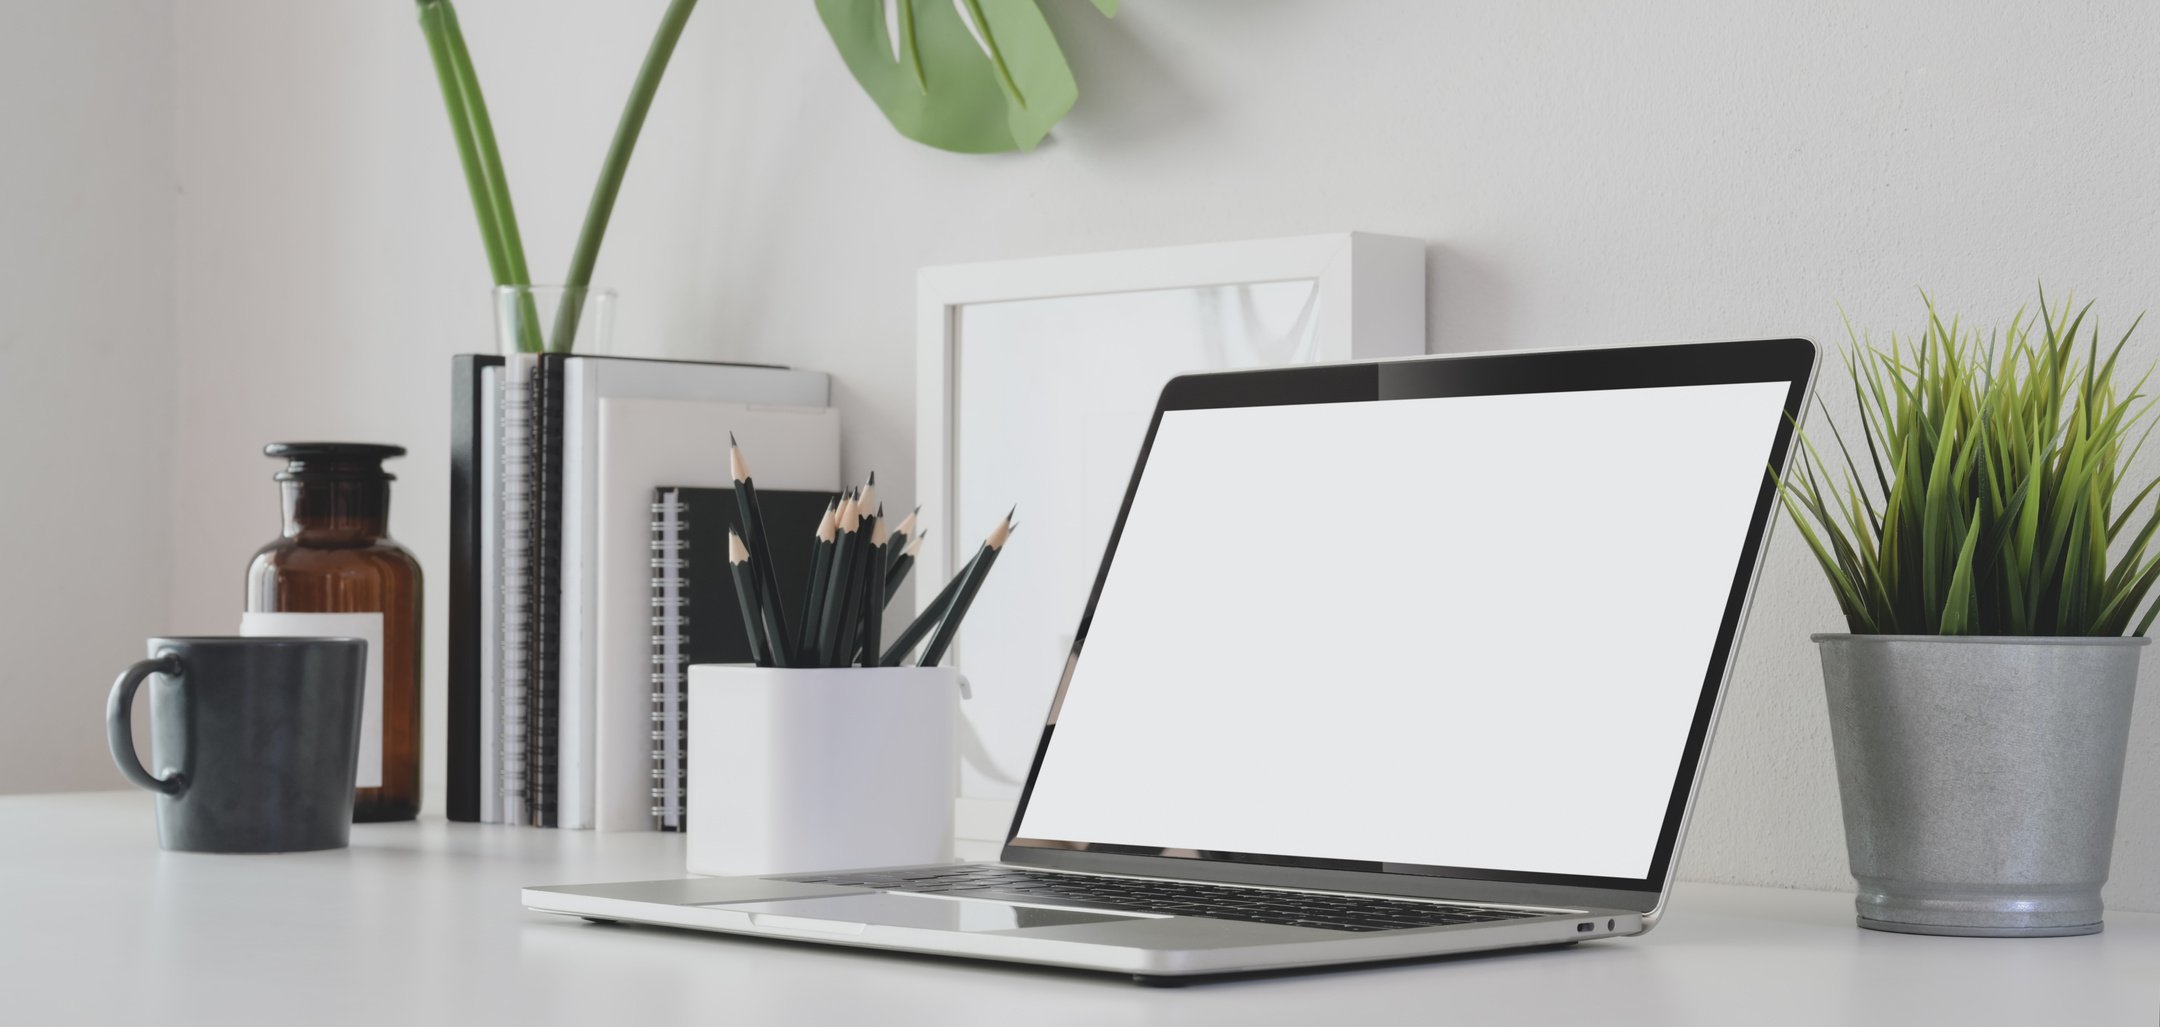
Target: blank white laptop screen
{"type": "Point", "coordinates": [1457, 632]}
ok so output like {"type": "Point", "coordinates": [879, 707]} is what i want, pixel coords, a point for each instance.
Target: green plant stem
{"type": "Point", "coordinates": [483, 133]}
{"type": "Point", "coordinates": [432, 20]}
{"type": "Point", "coordinates": [613, 168]}
{"type": "Point", "coordinates": [475, 136]}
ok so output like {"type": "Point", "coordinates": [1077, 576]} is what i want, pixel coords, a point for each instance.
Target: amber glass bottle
{"type": "Point", "coordinates": [335, 571]}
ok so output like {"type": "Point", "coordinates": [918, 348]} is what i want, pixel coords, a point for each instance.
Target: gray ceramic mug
{"type": "Point", "coordinates": [256, 740]}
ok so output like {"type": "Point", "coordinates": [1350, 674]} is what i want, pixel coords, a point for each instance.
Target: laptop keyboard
{"type": "Point", "coordinates": [1179, 898]}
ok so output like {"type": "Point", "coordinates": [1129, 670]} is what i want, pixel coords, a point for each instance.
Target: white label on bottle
{"type": "Point", "coordinates": [339, 625]}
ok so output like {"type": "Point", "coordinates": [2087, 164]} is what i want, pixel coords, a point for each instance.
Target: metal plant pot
{"type": "Point", "coordinates": [1980, 777]}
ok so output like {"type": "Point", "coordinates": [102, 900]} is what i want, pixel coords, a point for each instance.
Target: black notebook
{"type": "Point", "coordinates": [543, 636]}
{"type": "Point", "coordinates": [696, 617]}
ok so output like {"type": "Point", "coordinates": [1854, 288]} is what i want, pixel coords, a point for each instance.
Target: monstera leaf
{"type": "Point", "coordinates": [972, 76]}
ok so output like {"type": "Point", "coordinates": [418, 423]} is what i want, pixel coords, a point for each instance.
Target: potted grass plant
{"type": "Point", "coordinates": [1993, 564]}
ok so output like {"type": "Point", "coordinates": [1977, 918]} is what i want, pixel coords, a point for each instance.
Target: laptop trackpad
{"type": "Point", "coordinates": [849, 914]}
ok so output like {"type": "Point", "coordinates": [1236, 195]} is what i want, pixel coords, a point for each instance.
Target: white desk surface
{"type": "Point", "coordinates": [420, 923]}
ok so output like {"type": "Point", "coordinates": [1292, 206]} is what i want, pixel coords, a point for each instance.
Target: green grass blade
{"type": "Point", "coordinates": [1957, 616]}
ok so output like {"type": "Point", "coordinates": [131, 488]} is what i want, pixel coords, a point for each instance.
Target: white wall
{"type": "Point", "coordinates": [85, 373]}
{"type": "Point", "coordinates": [1587, 173]}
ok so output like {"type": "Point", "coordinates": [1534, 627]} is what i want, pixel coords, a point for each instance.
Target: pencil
{"type": "Point", "coordinates": [899, 541]}
{"type": "Point", "coordinates": [821, 556]}
{"type": "Point", "coordinates": [873, 607]}
{"type": "Point", "coordinates": [851, 615]}
{"type": "Point", "coordinates": [942, 639]}
{"type": "Point", "coordinates": [766, 583]}
{"type": "Point", "coordinates": [847, 520]}
{"type": "Point", "coordinates": [924, 622]}
{"type": "Point", "coordinates": [738, 558]}
{"type": "Point", "coordinates": [901, 565]}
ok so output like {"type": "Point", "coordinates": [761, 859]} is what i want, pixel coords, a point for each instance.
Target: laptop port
{"type": "Point", "coordinates": [1585, 927]}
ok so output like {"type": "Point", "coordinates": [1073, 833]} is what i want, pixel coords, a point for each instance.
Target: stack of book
{"type": "Point", "coordinates": [578, 592]}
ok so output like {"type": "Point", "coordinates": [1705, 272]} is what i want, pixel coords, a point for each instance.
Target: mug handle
{"type": "Point", "coordinates": [120, 728]}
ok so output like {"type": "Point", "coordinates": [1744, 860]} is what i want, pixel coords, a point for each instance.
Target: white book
{"type": "Point", "coordinates": [587, 381]}
{"type": "Point", "coordinates": [644, 445]}
{"type": "Point", "coordinates": [489, 472]}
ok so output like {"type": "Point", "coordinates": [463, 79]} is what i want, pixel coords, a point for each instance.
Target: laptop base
{"type": "Point", "coordinates": [1152, 949]}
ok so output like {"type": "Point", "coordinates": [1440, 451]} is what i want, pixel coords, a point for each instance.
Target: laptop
{"type": "Point", "coordinates": [1448, 689]}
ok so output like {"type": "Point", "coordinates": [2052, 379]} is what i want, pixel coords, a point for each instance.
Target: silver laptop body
{"type": "Point", "coordinates": [1128, 901]}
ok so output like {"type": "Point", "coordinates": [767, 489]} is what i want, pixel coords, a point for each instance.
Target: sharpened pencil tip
{"type": "Point", "coordinates": [873, 477]}
{"type": "Point", "coordinates": [731, 439]}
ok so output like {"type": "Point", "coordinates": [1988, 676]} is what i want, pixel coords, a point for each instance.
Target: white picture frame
{"type": "Point", "coordinates": [1316, 298]}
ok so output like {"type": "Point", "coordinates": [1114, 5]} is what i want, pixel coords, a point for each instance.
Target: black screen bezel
{"type": "Point", "coordinates": [1789, 361]}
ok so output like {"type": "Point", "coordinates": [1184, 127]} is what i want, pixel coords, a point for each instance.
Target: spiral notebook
{"type": "Point", "coordinates": [529, 474]}
{"type": "Point", "coordinates": [513, 622]}
{"type": "Point", "coordinates": [696, 617]}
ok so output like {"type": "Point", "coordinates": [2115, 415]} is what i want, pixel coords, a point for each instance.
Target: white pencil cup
{"type": "Point", "coordinates": [820, 769]}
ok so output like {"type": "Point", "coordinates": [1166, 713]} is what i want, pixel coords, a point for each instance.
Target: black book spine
{"type": "Point", "coordinates": [462, 692]}
{"type": "Point", "coordinates": [543, 696]}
